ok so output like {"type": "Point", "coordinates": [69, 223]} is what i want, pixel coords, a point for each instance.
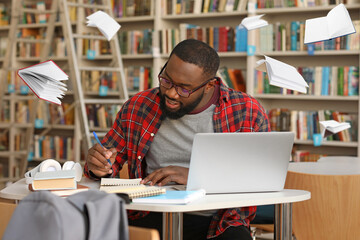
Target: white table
{"type": "Point", "coordinates": [172, 217]}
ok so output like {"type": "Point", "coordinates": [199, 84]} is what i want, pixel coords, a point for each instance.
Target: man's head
{"type": "Point", "coordinates": [186, 79]}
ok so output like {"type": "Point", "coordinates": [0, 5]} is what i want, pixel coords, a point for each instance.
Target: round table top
{"type": "Point", "coordinates": [331, 167]}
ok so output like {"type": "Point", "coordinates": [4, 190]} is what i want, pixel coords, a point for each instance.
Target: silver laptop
{"type": "Point", "coordinates": [240, 162]}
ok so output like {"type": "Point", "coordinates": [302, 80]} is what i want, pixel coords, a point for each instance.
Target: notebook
{"type": "Point", "coordinates": [240, 162]}
{"type": "Point", "coordinates": [132, 187]}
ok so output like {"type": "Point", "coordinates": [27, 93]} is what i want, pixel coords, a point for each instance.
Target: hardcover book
{"type": "Point", "coordinates": [44, 79]}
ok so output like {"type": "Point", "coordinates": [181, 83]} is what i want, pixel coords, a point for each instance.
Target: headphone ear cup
{"type": "Point", "coordinates": [50, 165]}
{"type": "Point", "coordinates": [68, 165]}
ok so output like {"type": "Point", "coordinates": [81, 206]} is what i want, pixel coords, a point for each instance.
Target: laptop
{"type": "Point", "coordinates": [240, 162]}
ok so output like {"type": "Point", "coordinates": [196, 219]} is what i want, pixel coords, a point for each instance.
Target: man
{"type": "Point", "coordinates": [154, 131]}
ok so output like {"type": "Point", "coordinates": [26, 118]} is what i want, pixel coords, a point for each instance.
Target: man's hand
{"type": "Point", "coordinates": [168, 174]}
{"type": "Point", "coordinates": [96, 160]}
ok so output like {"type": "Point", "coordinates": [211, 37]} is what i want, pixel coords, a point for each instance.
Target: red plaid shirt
{"type": "Point", "coordinates": [140, 119]}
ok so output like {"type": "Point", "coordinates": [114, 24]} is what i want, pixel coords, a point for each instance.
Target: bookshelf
{"type": "Point", "coordinates": [165, 18]}
{"type": "Point", "coordinates": [334, 98]}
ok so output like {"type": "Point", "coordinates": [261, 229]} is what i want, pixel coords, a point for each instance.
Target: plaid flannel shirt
{"type": "Point", "coordinates": [139, 120]}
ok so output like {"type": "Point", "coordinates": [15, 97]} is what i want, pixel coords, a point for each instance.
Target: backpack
{"type": "Point", "coordinates": [88, 215]}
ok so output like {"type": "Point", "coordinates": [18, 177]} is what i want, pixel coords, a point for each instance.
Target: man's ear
{"type": "Point", "coordinates": [210, 85]}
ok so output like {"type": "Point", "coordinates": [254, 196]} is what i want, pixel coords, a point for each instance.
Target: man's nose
{"type": "Point", "coordinates": [172, 93]}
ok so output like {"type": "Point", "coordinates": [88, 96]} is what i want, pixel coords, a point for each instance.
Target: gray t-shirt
{"type": "Point", "coordinates": [172, 143]}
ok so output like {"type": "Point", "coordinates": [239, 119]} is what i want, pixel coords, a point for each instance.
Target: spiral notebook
{"type": "Point", "coordinates": [132, 187]}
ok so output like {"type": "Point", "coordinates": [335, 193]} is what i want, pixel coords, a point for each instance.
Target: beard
{"type": "Point", "coordinates": [183, 109]}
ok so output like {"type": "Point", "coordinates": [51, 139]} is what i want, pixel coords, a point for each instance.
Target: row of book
{"type": "Point", "coordinates": [102, 116]}
{"type": "Point", "coordinates": [301, 3]}
{"type": "Point", "coordinates": [22, 111]}
{"type": "Point", "coordinates": [55, 147]}
{"type": "Point", "coordinates": [29, 17]}
{"type": "Point", "coordinates": [100, 82]}
{"type": "Point", "coordinates": [19, 140]}
{"type": "Point", "coordinates": [5, 12]}
{"type": "Point", "coordinates": [136, 42]}
{"type": "Point", "coordinates": [322, 81]}
{"type": "Point", "coordinates": [222, 39]}
{"type": "Point", "coordinates": [47, 113]}
{"type": "Point", "coordinates": [58, 47]}
{"type": "Point", "coordinates": [94, 47]}
{"type": "Point", "coordinates": [233, 78]}
{"type": "Point", "coordinates": [306, 123]}
{"type": "Point", "coordinates": [202, 6]}
{"type": "Point", "coordinates": [138, 78]}
{"type": "Point", "coordinates": [130, 8]}
{"type": "Point", "coordinates": [300, 155]}
{"type": "Point", "coordinates": [290, 37]}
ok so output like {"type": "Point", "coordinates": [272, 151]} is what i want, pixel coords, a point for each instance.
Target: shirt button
{"type": "Point", "coordinates": [152, 134]}
{"type": "Point", "coordinates": [139, 157]}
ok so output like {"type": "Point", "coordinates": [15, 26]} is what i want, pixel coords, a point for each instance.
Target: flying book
{"type": "Point", "coordinates": [336, 23]}
{"type": "Point", "coordinates": [173, 197]}
{"type": "Point", "coordinates": [106, 24]}
{"type": "Point", "coordinates": [54, 180]}
{"type": "Point", "coordinates": [282, 75]}
{"type": "Point", "coordinates": [330, 127]}
{"type": "Point", "coordinates": [253, 22]}
{"type": "Point", "coordinates": [132, 187]}
{"type": "Point", "coordinates": [44, 79]}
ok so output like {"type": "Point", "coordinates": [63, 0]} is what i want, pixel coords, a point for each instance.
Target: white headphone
{"type": "Point", "coordinates": [53, 165]}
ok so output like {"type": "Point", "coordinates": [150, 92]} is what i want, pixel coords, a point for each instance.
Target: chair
{"type": "Point", "coordinates": [6, 210]}
{"type": "Point", "coordinates": [139, 233]}
{"type": "Point", "coordinates": [333, 210]}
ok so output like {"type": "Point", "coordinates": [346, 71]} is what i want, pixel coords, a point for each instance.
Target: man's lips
{"type": "Point", "coordinates": [171, 104]}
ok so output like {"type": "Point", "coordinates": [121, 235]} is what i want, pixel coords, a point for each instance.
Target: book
{"type": "Point", "coordinates": [106, 24]}
{"type": "Point", "coordinates": [336, 23]}
{"type": "Point", "coordinates": [330, 127]}
{"type": "Point", "coordinates": [282, 75]}
{"type": "Point", "coordinates": [65, 192]}
{"type": "Point", "coordinates": [54, 180]}
{"type": "Point", "coordinates": [173, 197]}
{"type": "Point", "coordinates": [132, 187]}
{"type": "Point", "coordinates": [44, 79]}
{"type": "Point", "coordinates": [254, 22]}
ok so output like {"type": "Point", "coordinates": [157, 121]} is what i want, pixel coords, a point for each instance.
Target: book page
{"type": "Point", "coordinates": [284, 75]}
{"type": "Point", "coordinates": [48, 69]}
{"type": "Point", "coordinates": [119, 182]}
{"type": "Point", "coordinates": [339, 22]}
{"type": "Point", "coordinates": [316, 30]}
{"type": "Point", "coordinates": [254, 22]}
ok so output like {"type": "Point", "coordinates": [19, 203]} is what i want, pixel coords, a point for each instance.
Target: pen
{"type": "Point", "coordinates": [97, 139]}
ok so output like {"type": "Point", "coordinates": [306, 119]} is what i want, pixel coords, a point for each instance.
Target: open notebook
{"type": "Point", "coordinates": [131, 187]}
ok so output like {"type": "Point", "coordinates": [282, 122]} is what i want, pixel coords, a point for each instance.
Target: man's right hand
{"type": "Point", "coordinates": [96, 160]}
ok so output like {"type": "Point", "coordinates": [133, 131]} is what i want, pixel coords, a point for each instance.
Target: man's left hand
{"type": "Point", "coordinates": [162, 176]}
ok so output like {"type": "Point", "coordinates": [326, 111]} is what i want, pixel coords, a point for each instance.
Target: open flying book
{"type": "Point", "coordinates": [330, 127]}
{"type": "Point", "coordinates": [132, 187]}
{"type": "Point", "coordinates": [336, 23]}
{"type": "Point", "coordinates": [282, 75]}
{"type": "Point", "coordinates": [44, 79]}
{"type": "Point", "coordinates": [173, 197]}
{"type": "Point", "coordinates": [253, 22]}
{"type": "Point", "coordinates": [106, 24]}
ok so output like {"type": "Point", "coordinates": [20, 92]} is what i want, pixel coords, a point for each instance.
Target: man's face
{"type": "Point", "coordinates": [184, 75]}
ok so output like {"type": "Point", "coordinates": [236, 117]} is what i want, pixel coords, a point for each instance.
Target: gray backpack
{"type": "Point", "coordinates": [89, 215]}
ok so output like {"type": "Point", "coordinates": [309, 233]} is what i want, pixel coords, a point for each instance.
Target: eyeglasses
{"type": "Point", "coordinates": [181, 91]}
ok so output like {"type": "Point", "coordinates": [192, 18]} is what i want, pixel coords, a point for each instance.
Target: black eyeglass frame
{"type": "Point", "coordinates": [176, 86]}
